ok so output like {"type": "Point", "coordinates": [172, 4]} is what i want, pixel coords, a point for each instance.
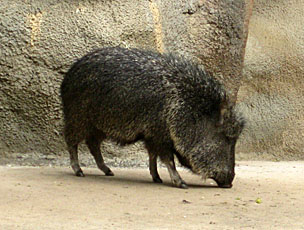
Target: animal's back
{"type": "Point", "coordinates": [116, 90]}
{"type": "Point", "coordinates": [129, 91]}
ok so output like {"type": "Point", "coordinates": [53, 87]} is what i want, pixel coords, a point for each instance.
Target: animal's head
{"type": "Point", "coordinates": [214, 153]}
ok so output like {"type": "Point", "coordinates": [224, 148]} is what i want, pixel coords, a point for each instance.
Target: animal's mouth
{"type": "Point", "coordinates": [224, 185]}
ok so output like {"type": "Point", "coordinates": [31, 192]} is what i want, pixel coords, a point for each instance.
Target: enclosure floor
{"type": "Point", "coordinates": [265, 195]}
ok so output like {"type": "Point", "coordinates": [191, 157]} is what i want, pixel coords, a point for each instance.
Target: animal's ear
{"type": "Point", "coordinates": [223, 110]}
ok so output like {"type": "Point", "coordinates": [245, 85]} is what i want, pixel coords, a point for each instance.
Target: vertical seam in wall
{"type": "Point", "coordinates": [248, 14]}
{"type": "Point", "coordinates": [157, 26]}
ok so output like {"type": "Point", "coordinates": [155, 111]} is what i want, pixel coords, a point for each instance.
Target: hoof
{"type": "Point", "coordinates": [79, 173]}
{"type": "Point", "coordinates": [109, 173]}
{"type": "Point", "coordinates": [157, 180]}
{"type": "Point", "coordinates": [180, 184]}
{"type": "Point", "coordinates": [183, 185]}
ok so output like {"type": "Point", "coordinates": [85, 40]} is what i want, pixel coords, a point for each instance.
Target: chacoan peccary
{"type": "Point", "coordinates": [172, 104]}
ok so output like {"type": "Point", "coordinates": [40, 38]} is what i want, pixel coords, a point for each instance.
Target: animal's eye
{"type": "Point", "coordinates": [229, 139]}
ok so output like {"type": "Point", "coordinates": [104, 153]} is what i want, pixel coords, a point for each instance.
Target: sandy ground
{"type": "Point", "coordinates": [265, 195]}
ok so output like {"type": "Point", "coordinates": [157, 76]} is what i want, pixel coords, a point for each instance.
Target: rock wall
{"type": "Point", "coordinates": [272, 94]}
{"type": "Point", "coordinates": [39, 40]}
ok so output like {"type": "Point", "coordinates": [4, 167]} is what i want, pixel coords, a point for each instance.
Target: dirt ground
{"type": "Point", "coordinates": [265, 195]}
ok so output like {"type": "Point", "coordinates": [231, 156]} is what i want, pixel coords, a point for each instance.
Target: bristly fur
{"type": "Point", "coordinates": [170, 103]}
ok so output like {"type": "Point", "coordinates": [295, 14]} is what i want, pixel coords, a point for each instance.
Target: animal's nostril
{"type": "Point", "coordinates": [224, 180]}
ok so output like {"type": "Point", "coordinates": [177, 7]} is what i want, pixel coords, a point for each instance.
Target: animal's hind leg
{"type": "Point", "coordinates": [74, 160]}
{"type": "Point", "coordinates": [93, 142]}
{"type": "Point", "coordinates": [72, 139]}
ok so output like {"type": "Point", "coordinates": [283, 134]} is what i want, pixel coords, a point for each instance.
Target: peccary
{"type": "Point", "coordinates": [171, 104]}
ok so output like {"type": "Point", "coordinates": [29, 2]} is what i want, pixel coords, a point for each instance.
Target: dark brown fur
{"type": "Point", "coordinates": [169, 103]}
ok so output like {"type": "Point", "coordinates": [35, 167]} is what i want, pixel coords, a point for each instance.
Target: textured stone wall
{"type": "Point", "coordinates": [211, 32]}
{"type": "Point", "coordinates": [40, 39]}
{"type": "Point", "coordinates": [272, 94]}
{"type": "Point", "coordinates": [38, 42]}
